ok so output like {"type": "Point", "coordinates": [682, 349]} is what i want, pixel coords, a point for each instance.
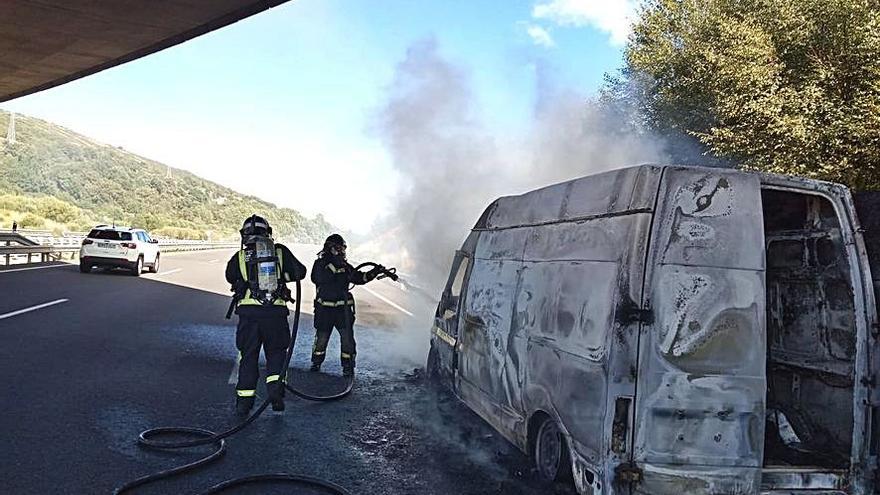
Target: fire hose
{"type": "Point", "coordinates": [202, 436]}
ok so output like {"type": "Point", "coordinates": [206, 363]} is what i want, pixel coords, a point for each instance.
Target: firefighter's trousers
{"type": "Point", "coordinates": [272, 334]}
{"type": "Point", "coordinates": [341, 318]}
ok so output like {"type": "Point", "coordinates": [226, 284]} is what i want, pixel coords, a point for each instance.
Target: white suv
{"type": "Point", "coordinates": [119, 247]}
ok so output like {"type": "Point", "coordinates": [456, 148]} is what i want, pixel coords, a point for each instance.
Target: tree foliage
{"type": "Point", "coordinates": [785, 86]}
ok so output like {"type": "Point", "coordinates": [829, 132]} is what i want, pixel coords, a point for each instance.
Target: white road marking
{"type": "Point", "coordinates": [169, 272]}
{"type": "Point", "coordinates": [213, 261]}
{"type": "Point", "coordinates": [33, 268]}
{"type": "Point", "coordinates": [32, 308]}
{"type": "Point", "coordinates": [389, 301]}
{"type": "Point", "coordinates": [233, 377]}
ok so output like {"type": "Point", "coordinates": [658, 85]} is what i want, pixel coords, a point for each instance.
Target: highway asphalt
{"type": "Point", "coordinates": [90, 360]}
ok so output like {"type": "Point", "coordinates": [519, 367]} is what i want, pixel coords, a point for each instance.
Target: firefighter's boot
{"type": "Point", "coordinates": [348, 371]}
{"type": "Point", "coordinates": [276, 395]}
{"type": "Point", "coordinates": [243, 405]}
{"type": "Point", "coordinates": [315, 367]}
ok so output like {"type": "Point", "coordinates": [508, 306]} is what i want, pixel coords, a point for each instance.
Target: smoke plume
{"type": "Point", "coordinates": [451, 166]}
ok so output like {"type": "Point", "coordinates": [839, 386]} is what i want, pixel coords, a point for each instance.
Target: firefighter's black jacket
{"type": "Point", "coordinates": [292, 271]}
{"type": "Point", "coordinates": [331, 275]}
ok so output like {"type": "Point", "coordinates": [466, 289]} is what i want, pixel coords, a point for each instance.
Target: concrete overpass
{"type": "Point", "coordinates": [46, 43]}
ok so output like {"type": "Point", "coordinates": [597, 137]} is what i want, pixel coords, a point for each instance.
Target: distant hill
{"type": "Point", "coordinates": [95, 183]}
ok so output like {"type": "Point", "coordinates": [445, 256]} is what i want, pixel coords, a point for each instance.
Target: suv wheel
{"type": "Point", "coordinates": [550, 453]}
{"type": "Point", "coordinates": [138, 267]}
{"type": "Point", "coordinates": [85, 267]}
{"type": "Point", "coordinates": [154, 268]}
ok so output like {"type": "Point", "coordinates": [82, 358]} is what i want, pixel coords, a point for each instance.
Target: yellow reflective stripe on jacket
{"type": "Point", "coordinates": [242, 265]}
{"type": "Point", "coordinates": [246, 393]}
{"type": "Point", "coordinates": [273, 378]}
{"type": "Point", "coordinates": [247, 300]}
{"type": "Point", "coordinates": [333, 304]}
{"type": "Point", "coordinates": [345, 355]}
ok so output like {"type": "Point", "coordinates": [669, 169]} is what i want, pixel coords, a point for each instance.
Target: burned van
{"type": "Point", "coordinates": [671, 330]}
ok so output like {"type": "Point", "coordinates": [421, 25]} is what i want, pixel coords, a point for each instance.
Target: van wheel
{"type": "Point", "coordinates": [154, 268]}
{"type": "Point", "coordinates": [85, 267]}
{"type": "Point", "coordinates": [138, 267]}
{"type": "Point", "coordinates": [550, 453]}
{"type": "Point", "coordinates": [432, 367]}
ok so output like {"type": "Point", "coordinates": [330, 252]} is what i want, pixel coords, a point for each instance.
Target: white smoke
{"type": "Point", "coordinates": [452, 166]}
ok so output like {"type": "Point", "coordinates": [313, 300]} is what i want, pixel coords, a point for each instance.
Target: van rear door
{"type": "Point", "coordinates": [700, 403]}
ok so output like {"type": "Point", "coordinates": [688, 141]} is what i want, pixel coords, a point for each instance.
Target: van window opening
{"type": "Point", "coordinates": [458, 282]}
{"type": "Point", "coordinates": [811, 333]}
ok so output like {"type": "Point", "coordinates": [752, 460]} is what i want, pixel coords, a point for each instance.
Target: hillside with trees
{"type": "Point", "coordinates": [54, 178]}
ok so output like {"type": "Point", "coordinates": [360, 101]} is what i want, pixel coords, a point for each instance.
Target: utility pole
{"type": "Point", "coordinates": [10, 130]}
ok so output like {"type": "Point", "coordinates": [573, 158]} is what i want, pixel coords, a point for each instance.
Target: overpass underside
{"type": "Point", "coordinates": [45, 43]}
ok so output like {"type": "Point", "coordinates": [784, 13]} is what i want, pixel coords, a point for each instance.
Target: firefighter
{"type": "Point", "coordinates": [258, 273]}
{"type": "Point", "coordinates": [334, 305]}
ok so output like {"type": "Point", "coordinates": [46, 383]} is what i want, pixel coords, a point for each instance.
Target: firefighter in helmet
{"type": "Point", "coordinates": [334, 305]}
{"type": "Point", "coordinates": [258, 273]}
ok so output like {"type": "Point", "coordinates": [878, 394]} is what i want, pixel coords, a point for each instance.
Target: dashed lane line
{"type": "Point", "coordinates": [233, 376]}
{"type": "Point", "coordinates": [32, 308]}
{"type": "Point", "coordinates": [169, 272]}
{"type": "Point", "coordinates": [33, 268]}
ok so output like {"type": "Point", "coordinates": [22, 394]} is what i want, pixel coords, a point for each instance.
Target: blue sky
{"type": "Point", "coordinates": [292, 92]}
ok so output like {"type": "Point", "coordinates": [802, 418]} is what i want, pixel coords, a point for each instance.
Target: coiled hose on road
{"type": "Point", "coordinates": [147, 438]}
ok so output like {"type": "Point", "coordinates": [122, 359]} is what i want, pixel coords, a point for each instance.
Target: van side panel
{"type": "Point", "coordinates": [490, 374]}
{"type": "Point", "coordinates": [578, 280]}
{"type": "Point", "coordinates": [702, 377]}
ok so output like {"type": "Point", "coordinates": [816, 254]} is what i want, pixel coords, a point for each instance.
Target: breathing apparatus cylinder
{"type": "Point", "coordinates": [261, 260]}
{"type": "Point", "coordinates": [266, 264]}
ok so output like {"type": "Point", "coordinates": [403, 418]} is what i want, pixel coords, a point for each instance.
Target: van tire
{"type": "Point", "coordinates": [138, 267]}
{"type": "Point", "coordinates": [432, 367]}
{"type": "Point", "coordinates": [550, 453]}
{"type": "Point", "coordinates": [85, 267]}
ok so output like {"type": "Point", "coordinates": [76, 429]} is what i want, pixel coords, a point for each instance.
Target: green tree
{"type": "Point", "coordinates": [55, 209]}
{"type": "Point", "coordinates": [29, 220]}
{"type": "Point", "coordinates": [785, 86]}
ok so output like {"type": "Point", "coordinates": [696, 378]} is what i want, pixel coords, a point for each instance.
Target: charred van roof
{"type": "Point", "coordinates": [616, 192]}
{"type": "Point", "coordinates": [634, 189]}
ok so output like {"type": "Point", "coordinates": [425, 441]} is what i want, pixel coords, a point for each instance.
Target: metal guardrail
{"type": "Point", "coordinates": [58, 247]}
{"type": "Point", "coordinates": [195, 245]}
{"type": "Point", "coordinates": [46, 253]}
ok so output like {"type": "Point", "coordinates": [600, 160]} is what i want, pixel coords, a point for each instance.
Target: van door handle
{"type": "Point", "coordinates": [473, 321]}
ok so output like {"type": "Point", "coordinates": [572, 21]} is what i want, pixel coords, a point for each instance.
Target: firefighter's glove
{"type": "Point", "coordinates": [372, 274]}
{"type": "Point", "coordinates": [239, 287]}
